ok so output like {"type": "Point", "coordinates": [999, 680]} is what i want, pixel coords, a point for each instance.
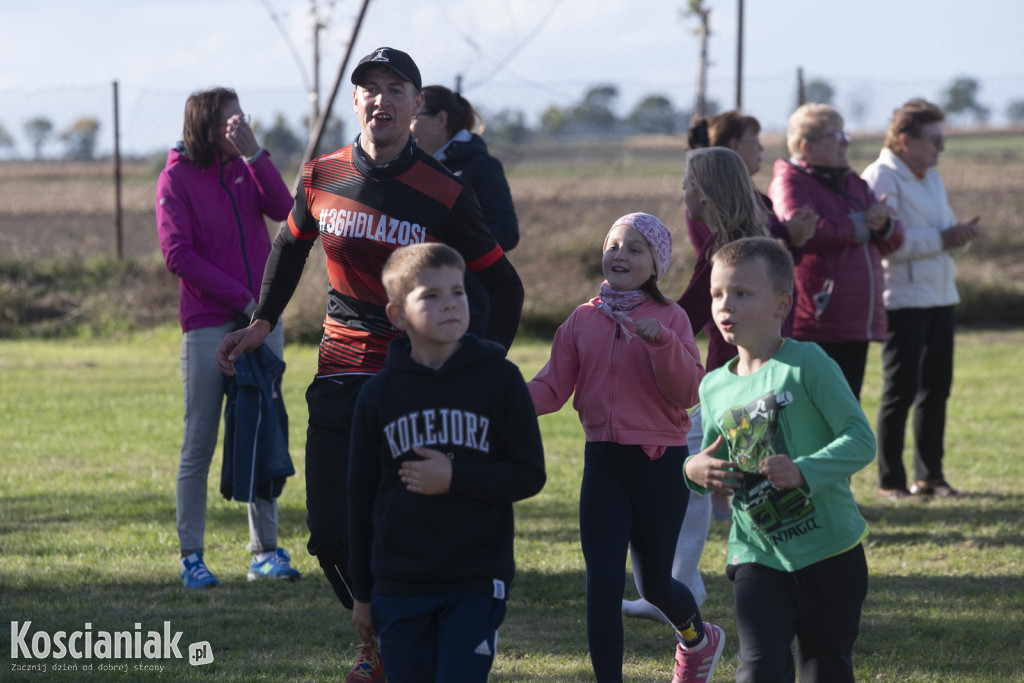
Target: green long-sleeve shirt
{"type": "Point", "coordinates": [798, 404]}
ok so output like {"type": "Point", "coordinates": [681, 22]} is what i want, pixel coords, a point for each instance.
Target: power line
{"type": "Point", "coordinates": [523, 43]}
{"type": "Point", "coordinates": [291, 46]}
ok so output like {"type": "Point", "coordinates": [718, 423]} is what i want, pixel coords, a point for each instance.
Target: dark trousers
{"type": "Point", "coordinates": [628, 500]}
{"type": "Point", "coordinates": [427, 638]}
{"type": "Point", "coordinates": [851, 357]}
{"type": "Point", "coordinates": [331, 405]}
{"type": "Point", "coordinates": [819, 606]}
{"type": "Point", "coordinates": [917, 367]}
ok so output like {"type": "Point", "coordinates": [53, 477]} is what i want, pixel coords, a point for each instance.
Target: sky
{"type": "Point", "coordinates": [59, 58]}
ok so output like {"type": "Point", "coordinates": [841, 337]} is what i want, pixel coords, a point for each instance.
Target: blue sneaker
{"type": "Point", "coordinates": [274, 567]}
{"type": "Point", "coordinates": [194, 573]}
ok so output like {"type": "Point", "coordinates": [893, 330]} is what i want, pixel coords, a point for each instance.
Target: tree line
{"type": "Point", "coordinates": [592, 116]}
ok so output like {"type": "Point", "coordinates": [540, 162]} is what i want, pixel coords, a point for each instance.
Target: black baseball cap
{"type": "Point", "coordinates": [396, 60]}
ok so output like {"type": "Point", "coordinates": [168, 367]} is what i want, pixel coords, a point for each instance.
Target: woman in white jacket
{"type": "Point", "coordinates": [920, 292]}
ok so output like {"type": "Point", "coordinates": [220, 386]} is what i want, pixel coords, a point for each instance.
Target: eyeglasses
{"type": "Point", "coordinates": [838, 135]}
{"type": "Point", "coordinates": [937, 140]}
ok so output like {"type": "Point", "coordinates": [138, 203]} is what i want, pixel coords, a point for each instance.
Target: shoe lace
{"type": "Point", "coordinates": [367, 661]}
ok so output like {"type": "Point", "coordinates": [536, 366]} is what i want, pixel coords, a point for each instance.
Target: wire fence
{"type": "Point", "coordinates": [150, 120]}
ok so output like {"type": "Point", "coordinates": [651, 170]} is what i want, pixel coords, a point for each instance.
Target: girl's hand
{"type": "Point", "coordinates": [240, 135]}
{"type": "Point", "coordinates": [711, 473]}
{"type": "Point", "coordinates": [648, 328]}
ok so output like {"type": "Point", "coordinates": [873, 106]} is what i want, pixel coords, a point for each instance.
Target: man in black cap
{"type": "Point", "coordinates": [364, 201]}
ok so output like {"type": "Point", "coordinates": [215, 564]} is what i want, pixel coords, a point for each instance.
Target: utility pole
{"type": "Point", "coordinates": [317, 126]}
{"type": "Point", "coordinates": [739, 56]}
{"type": "Point", "coordinates": [314, 91]}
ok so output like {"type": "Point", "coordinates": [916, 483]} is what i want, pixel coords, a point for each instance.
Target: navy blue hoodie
{"type": "Point", "coordinates": [475, 409]}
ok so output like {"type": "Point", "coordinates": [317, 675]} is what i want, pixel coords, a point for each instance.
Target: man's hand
{"type": "Point", "coordinates": [364, 623]}
{"type": "Point", "coordinates": [712, 473]}
{"type": "Point", "coordinates": [431, 476]}
{"type": "Point", "coordinates": [238, 342]}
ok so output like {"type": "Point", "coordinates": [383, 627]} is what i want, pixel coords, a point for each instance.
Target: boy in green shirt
{"type": "Point", "coordinates": [794, 434]}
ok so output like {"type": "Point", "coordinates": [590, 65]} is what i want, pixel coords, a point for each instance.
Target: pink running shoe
{"type": "Point", "coordinates": [696, 666]}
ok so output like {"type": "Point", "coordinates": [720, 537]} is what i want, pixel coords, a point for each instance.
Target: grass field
{"type": "Point", "coordinates": [89, 440]}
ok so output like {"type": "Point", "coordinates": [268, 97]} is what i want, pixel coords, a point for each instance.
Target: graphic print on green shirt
{"type": "Point", "coordinates": [753, 434]}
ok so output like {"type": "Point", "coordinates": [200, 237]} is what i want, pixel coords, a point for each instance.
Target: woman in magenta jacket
{"type": "Point", "coordinates": [839, 280]}
{"type": "Point", "coordinates": [210, 202]}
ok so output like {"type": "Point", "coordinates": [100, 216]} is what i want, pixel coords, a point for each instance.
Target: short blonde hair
{"type": "Point", "coordinates": [807, 123]}
{"type": "Point", "coordinates": [406, 263]}
{"type": "Point", "coordinates": [730, 199]}
{"type": "Point", "coordinates": [770, 251]}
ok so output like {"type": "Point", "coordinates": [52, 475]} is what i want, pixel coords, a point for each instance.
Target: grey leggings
{"type": "Point", "coordinates": [203, 385]}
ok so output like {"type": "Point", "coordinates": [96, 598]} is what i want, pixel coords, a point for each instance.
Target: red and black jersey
{"type": "Point", "coordinates": [362, 213]}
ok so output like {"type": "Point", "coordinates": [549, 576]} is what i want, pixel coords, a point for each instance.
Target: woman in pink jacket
{"type": "Point", "coordinates": [210, 202]}
{"type": "Point", "coordinates": [839, 280]}
{"type": "Point", "coordinates": [630, 358]}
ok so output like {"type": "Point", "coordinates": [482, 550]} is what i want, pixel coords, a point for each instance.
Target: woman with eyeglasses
{"type": "Point", "coordinates": [448, 128]}
{"type": "Point", "coordinates": [839, 280]}
{"type": "Point", "coordinates": [211, 199]}
{"type": "Point", "coordinates": [920, 292]}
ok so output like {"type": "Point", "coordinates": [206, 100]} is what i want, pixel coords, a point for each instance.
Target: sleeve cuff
{"type": "Point", "coordinates": [256, 155]}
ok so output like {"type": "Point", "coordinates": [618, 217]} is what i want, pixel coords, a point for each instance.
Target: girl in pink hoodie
{"type": "Point", "coordinates": [630, 358]}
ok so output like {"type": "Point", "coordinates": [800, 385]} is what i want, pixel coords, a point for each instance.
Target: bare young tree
{"type": "Point", "coordinates": [696, 8]}
{"type": "Point", "coordinates": [38, 130]}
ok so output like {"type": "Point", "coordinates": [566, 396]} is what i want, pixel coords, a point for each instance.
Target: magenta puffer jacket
{"type": "Point", "coordinates": [213, 235]}
{"type": "Point", "coordinates": [839, 280]}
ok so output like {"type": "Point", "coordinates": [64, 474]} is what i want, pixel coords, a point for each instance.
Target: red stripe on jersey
{"type": "Point", "coordinates": [298, 234]}
{"type": "Point", "coordinates": [488, 259]}
{"type": "Point", "coordinates": [432, 183]}
{"type": "Point", "coordinates": [344, 350]}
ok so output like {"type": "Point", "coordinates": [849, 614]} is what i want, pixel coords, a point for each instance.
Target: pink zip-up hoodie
{"type": "Point", "coordinates": [213, 235]}
{"type": "Point", "coordinates": [628, 392]}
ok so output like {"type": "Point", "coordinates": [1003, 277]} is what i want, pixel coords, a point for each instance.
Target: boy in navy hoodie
{"type": "Point", "coordinates": [444, 440]}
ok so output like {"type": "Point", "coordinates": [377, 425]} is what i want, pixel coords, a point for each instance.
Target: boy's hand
{"type": "Point", "coordinates": [648, 328]}
{"type": "Point", "coordinates": [364, 623]}
{"type": "Point", "coordinates": [431, 476]}
{"type": "Point", "coordinates": [712, 473]}
{"type": "Point", "coordinates": [781, 471]}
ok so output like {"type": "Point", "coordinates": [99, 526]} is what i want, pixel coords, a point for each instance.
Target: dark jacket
{"type": "Point", "coordinates": [256, 459]}
{"type": "Point", "coordinates": [477, 411]}
{"type": "Point", "coordinates": [470, 161]}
